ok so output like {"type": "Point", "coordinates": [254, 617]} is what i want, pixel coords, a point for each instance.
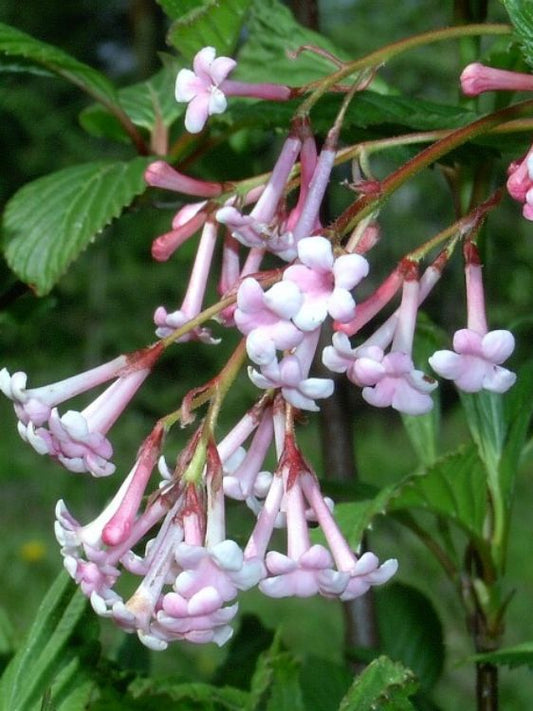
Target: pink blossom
{"type": "Point", "coordinates": [520, 183]}
{"type": "Point", "coordinates": [325, 282]}
{"type": "Point", "coordinates": [200, 88]}
{"type": "Point", "coordinates": [475, 362]}
{"type": "Point", "coordinates": [477, 78]}
{"type": "Point", "coordinates": [265, 318]}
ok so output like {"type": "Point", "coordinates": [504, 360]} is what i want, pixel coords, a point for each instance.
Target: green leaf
{"type": "Point", "coordinates": [484, 416]}
{"type": "Point", "coordinates": [50, 221]}
{"type": "Point", "coordinates": [520, 655]}
{"type": "Point", "coordinates": [216, 23]}
{"type": "Point", "coordinates": [197, 692]}
{"type": "Point", "coordinates": [521, 15]}
{"type": "Point", "coordinates": [383, 686]}
{"type": "Point", "coordinates": [454, 487]}
{"type": "Point", "coordinates": [273, 32]}
{"type": "Point", "coordinates": [410, 631]}
{"type": "Point", "coordinates": [16, 45]}
{"type": "Point", "coordinates": [324, 683]}
{"type": "Point", "coordinates": [518, 407]}
{"type": "Point", "coordinates": [177, 8]}
{"type": "Point", "coordinates": [44, 654]}
{"type": "Point", "coordinates": [145, 103]}
{"type": "Point", "coordinates": [275, 684]}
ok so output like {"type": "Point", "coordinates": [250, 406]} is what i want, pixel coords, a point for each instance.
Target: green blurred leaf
{"type": "Point", "coordinates": [17, 44]}
{"type": "Point", "coordinates": [275, 684]}
{"type": "Point", "coordinates": [518, 407]}
{"type": "Point", "coordinates": [216, 23]}
{"type": "Point", "coordinates": [197, 692]}
{"type": "Point", "coordinates": [410, 631]}
{"type": "Point", "coordinates": [145, 103]}
{"type": "Point", "coordinates": [521, 15]}
{"type": "Point", "coordinates": [383, 686]}
{"type": "Point", "coordinates": [177, 8]}
{"type": "Point", "coordinates": [324, 683]}
{"type": "Point", "coordinates": [453, 487]}
{"type": "Point", "coordinates": [44, 660]}
{"type": "Point", "coordinates": [48, 222]}
{"type": "Point", "coordinates": [484, 416]}
{"type": "Point", "coordinates": [520, 655]}
{"type": "Point", "coordinates": [273, 32]}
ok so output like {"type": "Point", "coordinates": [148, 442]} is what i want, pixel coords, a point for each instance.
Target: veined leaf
{"type": "Point", "coordinates": [216, 23]}
{"type": "Point", "coordinates": [273, 32]}
{"type": "Point", "coordinates": [17, 45]}
{"type": "Point", "coordinates": [521, 15]}
{"type": "Point", "coordinates": [45, 652]}
{"type": "Point", "coordinates": [49, 221]}
{"type": "Point", "coordinates": [384, 685]}
{"type": "Point", "coordinates": [206, 694]}
{"type": "Point", "coordinates": [275, 684]}
{"type": "Point", "coordinates": [145, 103]}
{"type": "Point", "coordinates": [177, 8]}
{"type": "Point", "coordinates": [453, 487]}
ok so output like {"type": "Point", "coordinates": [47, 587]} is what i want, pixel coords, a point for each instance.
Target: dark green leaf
{"type": "Point", "coordinates": [41, 660]}
{"type": "Point", "coordinates": [518, 407]}
{"type": "Point", "coordinates": [454, 487]}
{"type": "Point", "coordinates": [410, 631]}
{"type": "Point", "coordinates": [520, 655]}
{"type": "Point", "coordinates": [383, 686]}
{"type": "Point", "coordinates": [177, 8]}
{"type": "Point", "coordinates": [275, 684]}
{"type": "Point", "coordinates": [521, 15]}
{"type": "Point", "coordinates": [273, 32]}
{"type": "Point", "coordinates": [216, 23]}
{"type": "Point", "coordinates": [51, 220]}
{"type": "Point", "coordinates": [19, 45]}
{"type": "Point", "coordinates": [145, 103]}
{"type": "Point", "coordinates": [200, 693]}
{"type": "Point", "coordinates": [324, 683]}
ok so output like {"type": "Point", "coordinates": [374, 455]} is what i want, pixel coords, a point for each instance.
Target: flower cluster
{"type": "Point", "coordinates": [171, 534]}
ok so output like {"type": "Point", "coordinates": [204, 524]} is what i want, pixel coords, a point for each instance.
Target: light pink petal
{"type": "Point", "coordinates": [205, 601]}
{"type": "Point", "coordinates": [467, 341]}
{"type": "Point", "coordinates": [202, 62]}
{"type": "Point", "coordinates": [311, 315]}
{"type": "Point", "coordinates": [498, 379]}
{"type": "Point", "coordinates": [349, 270]}
{"type": "Point", "coordinates": [368, 371]}
{"type": "Point", "coordinates": [447, 364]}
{"type": "Point", "coordinates": [334, 361]}
{"type": "Point", "coordinates": [316, 253]}
{"type": "Point", "coordinates": [277, 563]}
{"type": "Point", "coordinates": [316, 557]}
{"type": "Point", "coordinates": [228, 555]}
{"type": "Point", "coordinates": [299, 401]}
{"type": "Point", "coordinates": [382, 394]}
{"type": "Point", "coordinates": [409, 400]}
{"type": "Point", "coordinates": [474, 371]}
{"type": "Point", "coordinates": [197, 113]}
{"type": "Point", "coordinates": [284, 299]}
{"type": "Point", "coordinates": [317, 387]}
{"type": "Point", "coordinates": [220, 68]}
{"type": "Point", "coordinates": [217, 102]}
{"type": "Point", "coordinates": [497, 346]}
{"type": "Point", "coordinates": [188, 85]}
{"type": "Point", "coordinates": [341, 305]}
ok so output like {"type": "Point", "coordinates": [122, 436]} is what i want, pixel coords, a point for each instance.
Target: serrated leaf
{"type": "Point", "coordinates": [49, 221]}
{"type": "Point", "coordinates": [410, 631]}
{"type": "Point", "coordinates": [275, 684]}
{"type": "Point", "coordinates": [225, 697]}
{"type": "Point", "coordinates": [44, 653]}
{"type": "Point", "coordinates": [520, 655]}
{"type": "Point", "coordinates": [17, 44]}
{"type": "Point", "coordinates": [521, 15]}
{"type": "Point", "coordinates": [145, 103]}
{"type": "Point", "coordinates": [454, 487]}
{"type": "Point", "coordinates": [177, 8]}
{"type": "Point", "coordinates": [273, 32]}
{"type": "Point", "coordinates": [383, 686]}
{"type": "Point", "coordinates": [216, 23]}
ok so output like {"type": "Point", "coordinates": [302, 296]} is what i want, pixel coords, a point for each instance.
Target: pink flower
{"type": "Point", "coordinates": [325, 282]}
{"type": "Point", "coordinates": [475, 362]}
{"type": "Point", "coordinates": [520, 183]}
{"type": "Point", "coordinates": [200, 88]}
{"type": "Point", "coordinates": [477, 78]}
{"type": "Point", "coordinates": [265, 318]}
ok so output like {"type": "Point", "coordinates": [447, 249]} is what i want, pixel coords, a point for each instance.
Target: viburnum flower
{"type": "Point", "coordinates": [325, 282]}
{"type": "Point", "coordinates": [265, 318]}
{"type": "Point", "coordinates": [77, 439]}
{"type": "Point", "coordinates": [477, 78]}
{"type": "Point", "coordinates": [388, 379]}
{"type": "Point", "coordinates": [475, 362]}
{"type": "Point", "coordinates": [205, 89]}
